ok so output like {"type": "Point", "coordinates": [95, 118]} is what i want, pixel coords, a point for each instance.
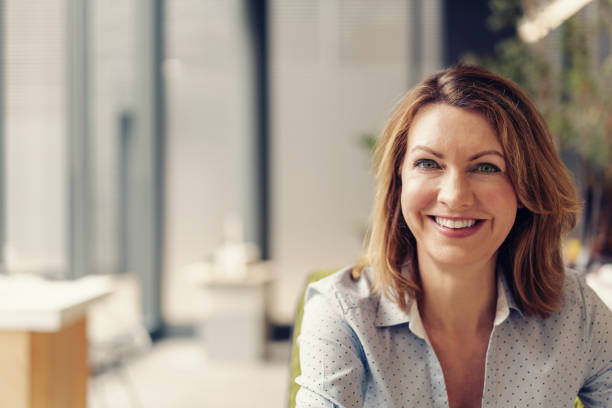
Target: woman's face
{"type": "Point", "coordinates": [456, 196]}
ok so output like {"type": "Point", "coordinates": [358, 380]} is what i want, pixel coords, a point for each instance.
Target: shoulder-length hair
{"type": "Point", "coordinates": [531, 254]}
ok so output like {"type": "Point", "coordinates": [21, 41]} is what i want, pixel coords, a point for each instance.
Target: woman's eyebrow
{"type": "Point", "coordinates": [473, 157]}
{"type": "Point", "coordinates": [428, 150]}
{"type": "Point", "coordinates": [486, 152]}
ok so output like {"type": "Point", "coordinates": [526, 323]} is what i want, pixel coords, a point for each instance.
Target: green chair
{"type": "Point", "coordinates": [295, 368]}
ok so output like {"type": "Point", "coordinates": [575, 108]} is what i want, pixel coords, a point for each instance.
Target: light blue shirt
{"type": "Point", "coordinates": [359, 349]}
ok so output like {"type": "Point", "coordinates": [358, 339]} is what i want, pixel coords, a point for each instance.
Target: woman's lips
{"type": "Point", "coordinates": [454, 227]}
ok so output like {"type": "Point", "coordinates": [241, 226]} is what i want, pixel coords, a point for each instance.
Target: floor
{"type": "Point", "coordinates": [173, 372]}
{"type": "Point", "coordinates": [176, 373]}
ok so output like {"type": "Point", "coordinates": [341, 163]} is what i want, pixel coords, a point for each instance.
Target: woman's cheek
{"type": "Point", "coordinates": [416, 196]}
{"type": "Point", "coordinates": [503, 195]}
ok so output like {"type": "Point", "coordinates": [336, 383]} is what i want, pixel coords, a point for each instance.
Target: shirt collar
{"type": "Point", "coordinates": [505, 298]}
{"type": "Point", "coordinates": [389, 313]}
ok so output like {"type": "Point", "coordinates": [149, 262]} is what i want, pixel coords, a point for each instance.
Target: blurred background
{"type": "Point", "coordinates": [208, 155]}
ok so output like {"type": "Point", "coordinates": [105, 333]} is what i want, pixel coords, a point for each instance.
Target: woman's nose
{"type": "Point", "coordinates": [455, 191]}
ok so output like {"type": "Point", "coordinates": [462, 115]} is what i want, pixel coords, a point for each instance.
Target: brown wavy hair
{"type": "Point", "coordinates": [531, 254]}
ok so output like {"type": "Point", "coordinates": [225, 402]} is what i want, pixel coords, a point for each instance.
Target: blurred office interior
{"type": "Point", "coordinates": [139, 139]}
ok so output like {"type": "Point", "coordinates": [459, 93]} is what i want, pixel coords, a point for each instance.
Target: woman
{"type": "Point", "coordinates": [461, 299]}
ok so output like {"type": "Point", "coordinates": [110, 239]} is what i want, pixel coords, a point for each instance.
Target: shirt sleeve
{"type": "Point", "coordinates": [332, 366]}
{"type": "Point", "coordinates": [596, 391]}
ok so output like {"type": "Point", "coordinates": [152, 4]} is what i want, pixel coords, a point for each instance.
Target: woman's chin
{"type": "Point", "coordinates": [456, 257]}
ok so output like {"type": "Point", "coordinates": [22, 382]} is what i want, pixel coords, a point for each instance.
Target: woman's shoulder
{"type": "Point", "coordinates": [345, 288]}
{"type": "Point", "coordinates": [576, 292]}
{"type": "Point", "coordinates": [581, 301]}
{"type": "Point", "coordinates": [573, 289]}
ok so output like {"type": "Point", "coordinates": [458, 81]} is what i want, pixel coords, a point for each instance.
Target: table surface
{"type": "Point", "coordinates": [204, 274]}
{"type": "Point", "coordinates": [34, 304]}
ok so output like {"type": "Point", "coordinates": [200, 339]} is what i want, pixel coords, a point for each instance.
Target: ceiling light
{"type": "Point", "coordinates": [548, 18]}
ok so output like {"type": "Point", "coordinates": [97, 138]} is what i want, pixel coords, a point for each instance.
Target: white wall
{"type": "Point", "coordinates": [35, 150]}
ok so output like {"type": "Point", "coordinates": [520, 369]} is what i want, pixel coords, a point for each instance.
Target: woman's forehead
{"type": "Point", "coordinates": [447, 127]}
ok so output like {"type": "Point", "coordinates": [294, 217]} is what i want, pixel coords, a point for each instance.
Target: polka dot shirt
{"type": "Point", "coordinates": [359, 349]}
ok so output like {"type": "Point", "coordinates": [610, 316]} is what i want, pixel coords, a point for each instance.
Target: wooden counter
{"type": "Point", "coordinates": [43, 341]}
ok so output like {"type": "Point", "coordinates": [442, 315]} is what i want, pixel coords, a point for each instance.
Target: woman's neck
{"type": "Point", "coordinates": [458, 300]}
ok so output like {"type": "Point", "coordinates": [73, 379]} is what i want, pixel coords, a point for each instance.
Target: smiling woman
{"type": "Point", "coordinates": [461, 298]}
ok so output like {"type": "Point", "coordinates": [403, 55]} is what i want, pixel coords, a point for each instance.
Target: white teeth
{"type": "Point", "coordinates": [446, 222]}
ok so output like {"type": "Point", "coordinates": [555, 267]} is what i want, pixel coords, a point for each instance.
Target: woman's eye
{"type": "Point", "coordinates": [486, 168]}
{"type": "Point", "coordinates": [426, 164]}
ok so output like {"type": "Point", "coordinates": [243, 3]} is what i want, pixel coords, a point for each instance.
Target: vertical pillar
{"type": "Point", "coordinates": [79, 217]}
{"type": "Point", "coordinates": [123, 154]}
{"type": "Point", "coordinates": [431, 36]}
{"type": "Point", "coordinates": [415, 63]}
{"type": "Point", "coordinates": [146, 163]}
{"type": "Point", "coordinates": [258, 175]}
